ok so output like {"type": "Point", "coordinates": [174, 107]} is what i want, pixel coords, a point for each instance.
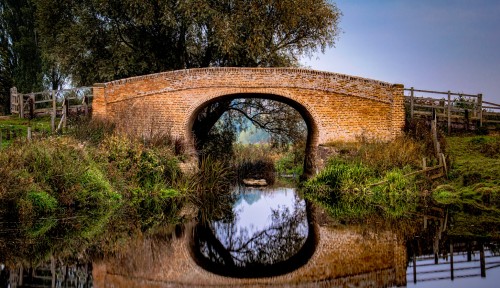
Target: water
{"type": "Point", "coordinates": [270, 237]}
{"type": "Point", "coordinates": [262, 236]}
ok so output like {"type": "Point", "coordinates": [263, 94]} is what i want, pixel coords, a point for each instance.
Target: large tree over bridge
{"type": "Point", "coordinates": [103, 40]}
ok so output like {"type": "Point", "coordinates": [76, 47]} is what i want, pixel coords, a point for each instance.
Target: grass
{"type": "Point", "coordinates": [472, 193]}
{"type": "Point", "coordinates": [77, 187]}
{"type": "Point", "coordinates": [13, 127]}
{"type": "Point", "coordinates": [348, 190]}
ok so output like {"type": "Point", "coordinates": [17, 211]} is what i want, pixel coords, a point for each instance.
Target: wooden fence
{"type": "Point", "coordinates": [53, 102]}
{"type": "Point", "coordinates": [455, 109]}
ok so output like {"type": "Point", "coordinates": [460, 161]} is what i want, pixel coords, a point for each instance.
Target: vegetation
{"type": "Point", "coordinates": [368, 178]}
{"type": "Point", "coordinates": [472, 193]}
{"type": "Point", "coordinates": [14, 127]}
{"type": "Point", "coordinates": [255, 161]}
{"type": "Point", "coordinates": [61, 193]}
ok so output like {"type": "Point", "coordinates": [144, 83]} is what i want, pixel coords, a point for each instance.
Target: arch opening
{"type": "Point", "coordinates": [196, 128]}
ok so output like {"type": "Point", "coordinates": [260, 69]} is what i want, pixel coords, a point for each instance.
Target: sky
{"type": "Point", "coordinates": [435, 45]}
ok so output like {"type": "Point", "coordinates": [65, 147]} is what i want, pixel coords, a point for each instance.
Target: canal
{"type": "Point", "coordinates": [270, 237]}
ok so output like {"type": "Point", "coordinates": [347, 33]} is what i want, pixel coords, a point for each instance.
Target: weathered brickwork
{"type": "Point", "coordinates": [336, 107]}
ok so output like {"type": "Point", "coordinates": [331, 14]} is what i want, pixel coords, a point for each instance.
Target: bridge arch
{"type": "Point", "coordinates": [336, 107]}
{"type": "Point", "coordinates": [308, 115]}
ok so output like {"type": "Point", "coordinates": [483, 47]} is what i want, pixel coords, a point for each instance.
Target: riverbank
{"type": "Point", "coordinates": [62, 192]}
{"type": "Point", "coordinates": [379, 179]}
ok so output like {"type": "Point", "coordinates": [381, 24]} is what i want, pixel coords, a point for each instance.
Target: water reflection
{"type": "Point", "coordinates": [268, 234]}
{"type": "Point", "coordinates": [459, 263]}
{"type": "Point", "coordinates": [297, 243]}
{"type": "Point", "coordinates": [49, 274]}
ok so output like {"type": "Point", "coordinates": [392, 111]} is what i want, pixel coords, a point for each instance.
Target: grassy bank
{"type": "Point", "coordinates": [92, 188]}
{"type": "Point", "coordinates": [13, 127]}
{"type": "Point", "coordinates": [472, 193]}
{"type": "Point", "coordinates": [368, 178]}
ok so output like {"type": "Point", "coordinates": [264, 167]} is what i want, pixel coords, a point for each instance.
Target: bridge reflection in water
{"type": "Point", "coordinates": [267, 234]}
{"type": "Point", "coordinates": [318, 252]}
{"type": "Point", "coordinates": [217, 254]}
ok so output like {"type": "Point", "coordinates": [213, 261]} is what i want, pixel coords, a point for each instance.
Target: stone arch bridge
{"type": "Point", "coordinates": [335, 107]}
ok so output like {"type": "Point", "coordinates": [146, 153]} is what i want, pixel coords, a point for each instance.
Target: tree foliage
{"type": "Point", "coordinates": [102, 40]}
{"type": "Point", "coordinates": [20, 55]}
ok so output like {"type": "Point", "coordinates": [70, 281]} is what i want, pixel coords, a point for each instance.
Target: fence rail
{"type": "Point", "coordinates": [455, 109]}
{"type": "Point", "coordinates": [52, 102]}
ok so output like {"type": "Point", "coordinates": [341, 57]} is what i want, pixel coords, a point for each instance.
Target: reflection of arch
{"type": "Point", "coordinates": [304, 110]}
{"type": "Point", "coordinates": [255, 271]}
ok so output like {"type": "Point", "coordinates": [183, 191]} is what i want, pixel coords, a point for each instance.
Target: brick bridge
{"type": "Point", "coordinates": [335, 107]}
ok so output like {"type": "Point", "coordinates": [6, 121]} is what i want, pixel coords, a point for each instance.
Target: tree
{"type": "Point", "coordinates": [104, 40]}
{"type": "Point", "coordinates": [23, 63]}
{"type": "Point", "coordinates": [6, 63]}
{"type": "Point", "coordinates": [21, 40]}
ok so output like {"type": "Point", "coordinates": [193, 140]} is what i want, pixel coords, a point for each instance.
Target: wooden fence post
{"type": "Point", "coordinates": [411, 102]}
{"type": "Point", "coordinates": [31, 104]}
{"type": "Point", "coordinates": [449, 112]}
{"type": "Point", "coordinates": [21, 105]}
{"type": "Point", "coordinates": [29, 133]}
{"type": "Point", "coordinates": [480, 107]}
{"type": "Point", "coordinates": [54, 112]}
{"type": "Point", "coordinates": [66, 110]}
{"type": "Point", "coordinates": [437, 149]}
{"type": "Point", "coordinates": [14, 99]}
{"type": "Point", "coordinates": [86, 105]}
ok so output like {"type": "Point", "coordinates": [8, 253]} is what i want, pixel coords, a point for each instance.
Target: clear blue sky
{"type": "Point", "coordinates": [428, 44]}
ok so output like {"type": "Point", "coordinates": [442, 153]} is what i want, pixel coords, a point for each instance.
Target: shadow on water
{"type": "Point", "coordinates": [269, 233]}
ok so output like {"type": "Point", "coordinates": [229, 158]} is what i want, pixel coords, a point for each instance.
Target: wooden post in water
{"type": "Point", "coordinates": [469, 252]}
{"type": "Point", "coordinates": [414, 261]}
{"type": "Point", "coordinates": [482, 260]}
{"type": "Point", "coordinates": [53, 270]}
{"type": "Point", "coordinates": [21, 275]}
{"type": "Point", "coordinates": [451, 260]}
